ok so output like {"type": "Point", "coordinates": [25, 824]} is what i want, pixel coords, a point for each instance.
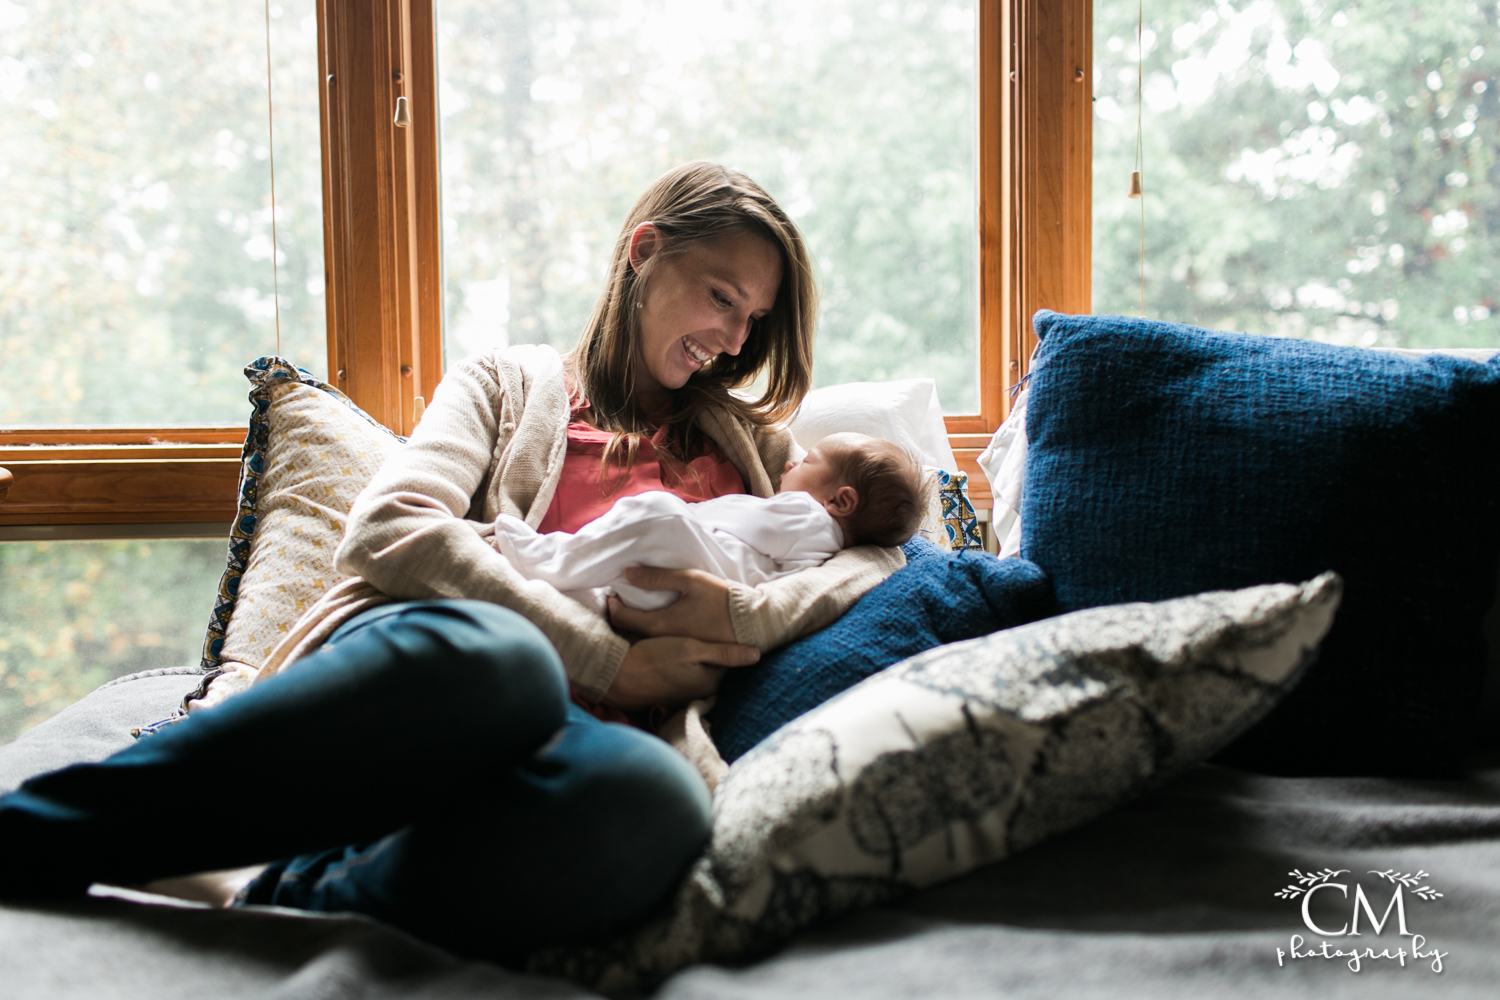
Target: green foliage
{"type": "Point", "coordinates": [74, 615]}
{"type": "Point", "coordinates": [138, 239]}
{"type": "Point", "coordinates": [1321, 170]}
{"type": "Point", "coordinates": [859, 118]}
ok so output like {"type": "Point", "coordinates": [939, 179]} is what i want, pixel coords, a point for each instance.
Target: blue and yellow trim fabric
{"type": "Point", "coordinates": [956, 513]}
{"type": "Point", "coordinates": [264, 374]}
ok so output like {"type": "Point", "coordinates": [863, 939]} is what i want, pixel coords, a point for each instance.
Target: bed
{"type": "Point", "coordinates": [1214, 878]}
{"type": "Point", "coordinates": [1172, 895]}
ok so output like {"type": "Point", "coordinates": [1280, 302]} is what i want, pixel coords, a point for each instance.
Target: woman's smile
{"type": "Point", "coordinates": [695, 352]}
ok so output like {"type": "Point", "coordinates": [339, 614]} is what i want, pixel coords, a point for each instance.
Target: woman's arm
{"type": "Point", "coordinates": [775, 613]}
{"type": "Point", "coordinates": [767, 616]}
{"type": "Point", "coordinates": [408, 536]}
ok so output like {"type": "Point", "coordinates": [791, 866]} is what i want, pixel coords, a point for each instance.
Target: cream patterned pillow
{"type": "Point", "coordinates": [309, 452]}
{"type": "Point", "coordinates": [961, 756]}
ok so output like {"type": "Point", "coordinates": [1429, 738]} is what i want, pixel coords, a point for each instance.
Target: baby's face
{"type": "Point", "coordinates": [815, 474]}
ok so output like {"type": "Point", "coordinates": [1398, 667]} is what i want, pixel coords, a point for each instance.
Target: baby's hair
{"type": "Point", "coordinates": [892, 488]}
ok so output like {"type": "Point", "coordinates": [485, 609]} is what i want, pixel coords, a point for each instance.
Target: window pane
{"type": "Point", "coordinates": [137, 279]}
{"type": "Point", "coordinates": [860, 119]}
{"type": "Point", "coordinates": [1324, 171]}
{"type": "Point", "coordinates": [74, 615]}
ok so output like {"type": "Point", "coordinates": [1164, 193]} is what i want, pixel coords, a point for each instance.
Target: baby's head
{"type": "Point", "coordinates": [873, 488]}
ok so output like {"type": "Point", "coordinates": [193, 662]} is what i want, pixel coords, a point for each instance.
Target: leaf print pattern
{"type": "Point", "coordinates": [961, 756]}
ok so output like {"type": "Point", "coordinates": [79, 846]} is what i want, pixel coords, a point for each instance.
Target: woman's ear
{"type": "Point", "coordinates": [644, 240]}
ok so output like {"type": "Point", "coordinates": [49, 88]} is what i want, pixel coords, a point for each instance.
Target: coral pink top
{"type": "Point", "coordinates": [585, 491]}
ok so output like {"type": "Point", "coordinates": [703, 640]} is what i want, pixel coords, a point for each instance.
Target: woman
{"type": "Point", "coordinates": [424, 762]}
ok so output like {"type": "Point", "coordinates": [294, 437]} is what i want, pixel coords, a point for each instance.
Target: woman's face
{"type": "Point", "coordinates": [698, 304]}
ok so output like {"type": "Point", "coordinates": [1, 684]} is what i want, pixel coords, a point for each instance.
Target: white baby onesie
{"type": "Point", "coordinates": [740, 538]}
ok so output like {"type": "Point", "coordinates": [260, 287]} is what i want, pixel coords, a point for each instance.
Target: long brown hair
{"type": "Point", "coordinates": [691, 204]}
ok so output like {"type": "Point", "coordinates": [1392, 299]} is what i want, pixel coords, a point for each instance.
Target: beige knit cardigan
{"type": "Point", "coordinates": [493, 441]}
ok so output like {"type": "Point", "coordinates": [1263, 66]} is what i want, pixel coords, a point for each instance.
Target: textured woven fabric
{"type": "Point", "coordinates": [1166, 460]}
{"type": "Point", "coordinates": [939, 597]}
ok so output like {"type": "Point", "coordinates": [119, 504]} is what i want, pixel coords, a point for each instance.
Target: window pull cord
{"type": "Point", "coordinates": [271, 152]}
{"type": "Point", "coordinates": [1136, 191]}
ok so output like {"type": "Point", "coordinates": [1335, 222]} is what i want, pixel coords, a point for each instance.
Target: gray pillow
{"type": "Point", "coordinates": [962, 755]}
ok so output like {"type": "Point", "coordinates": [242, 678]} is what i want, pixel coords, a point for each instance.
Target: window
{"type": "Point", "coordinates": [1313, 169]}
{"type": "Point", "coordinates": [860, 118]}
{"type": "Point", "coordinates": [383, 301]}
{"type": "Point", "coordinates": [138, 277]}
{"type": "Point", "coordinates": [154, 445]}
{"type": "Point", "coordinates": [75, 614]}
{"type": "Point", "coordinates": [167, 460]}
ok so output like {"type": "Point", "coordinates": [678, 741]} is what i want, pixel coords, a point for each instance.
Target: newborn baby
{"type": "Point", "coordinates": [850, 489]}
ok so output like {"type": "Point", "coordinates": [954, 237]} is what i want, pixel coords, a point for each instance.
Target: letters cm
{"type": "Point", "coordinates": [1360, 902]}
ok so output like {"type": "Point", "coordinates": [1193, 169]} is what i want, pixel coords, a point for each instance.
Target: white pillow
{"type": "Point", "coordinates": [905, 412]}
{"type": "Point", "coordinates": [1003, 463]}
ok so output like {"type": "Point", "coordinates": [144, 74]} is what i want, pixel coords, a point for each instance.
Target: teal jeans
{"type": "Point", "coordinates": [424, 767]}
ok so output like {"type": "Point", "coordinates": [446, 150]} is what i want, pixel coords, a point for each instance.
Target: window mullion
{"type": "Point", "coordinates": [1035, 173]}
{"type": "Point", "coordinates": [1053, 163]}
{"type": "Point", "coordinates": [380, 214]}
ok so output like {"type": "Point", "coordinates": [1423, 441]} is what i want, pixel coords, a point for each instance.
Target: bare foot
{"type": "Point", "coordinates": [216, 889]}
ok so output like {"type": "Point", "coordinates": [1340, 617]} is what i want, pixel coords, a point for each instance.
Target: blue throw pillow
{"type": "Point", "coordinates": [938, 597]}
{"type": "Point", "coordinates": [1166, 460]}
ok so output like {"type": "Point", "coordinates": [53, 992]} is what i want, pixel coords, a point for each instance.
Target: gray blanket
{"type": "Point", "coordinates": [1171, 896]}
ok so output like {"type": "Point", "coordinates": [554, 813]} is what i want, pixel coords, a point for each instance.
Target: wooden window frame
{"type": "Point", "coordinates": [1036, 120]}
{"type": "Point", "coordinates": [382, 253]}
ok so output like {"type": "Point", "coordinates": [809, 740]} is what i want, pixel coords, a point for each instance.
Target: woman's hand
{"type": "Point", "coordinates": [673, 670]}
{"type": "Point", "coordinates": [702, 612]}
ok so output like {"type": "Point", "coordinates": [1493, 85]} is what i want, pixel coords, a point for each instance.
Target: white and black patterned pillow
{"type": "Point", "coordinates": [963, 755]}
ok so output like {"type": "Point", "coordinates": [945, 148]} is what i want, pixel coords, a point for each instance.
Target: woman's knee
{"type": "Point", "coordinates": [658, 805]}
{"type": "Point", "coordinates": [476, 657]}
